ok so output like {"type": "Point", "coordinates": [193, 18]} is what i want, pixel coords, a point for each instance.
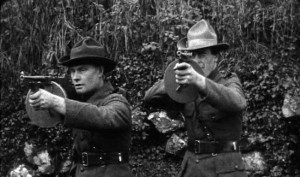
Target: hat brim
{"type": "Point", "coordinates": [181, 45]}
{"type": "Point", "coordinates": [108, 64]}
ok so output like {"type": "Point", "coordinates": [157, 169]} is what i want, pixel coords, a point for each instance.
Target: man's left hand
{"type": "Point", "coordinates": [186, 74]}
{"type": "Point", "coordinates": [41, 99]}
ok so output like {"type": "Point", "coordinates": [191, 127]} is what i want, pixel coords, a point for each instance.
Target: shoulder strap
{"type": "Point", "coordinates": [118, 93]}
{"type": "Point", "coordinates": [121, 91]}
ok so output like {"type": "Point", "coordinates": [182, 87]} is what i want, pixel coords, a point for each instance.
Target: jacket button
{"type": "Point", "coordinates": [236, 167]}
{"type": "Point", "coordinates": [82, 169]}
{"type": "Point", "coordinates": [197, 161]}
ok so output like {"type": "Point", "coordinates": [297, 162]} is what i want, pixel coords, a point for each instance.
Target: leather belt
{"type": "Point", "coordinates": [212, 147]}
{"type": "Point", "coordinates": [93, 159]}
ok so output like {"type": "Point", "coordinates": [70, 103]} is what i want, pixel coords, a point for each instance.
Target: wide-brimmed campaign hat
{"type": "Point", "coordinates": [88, 51]}
{"type": "Point", "coordinates": [201, 36]}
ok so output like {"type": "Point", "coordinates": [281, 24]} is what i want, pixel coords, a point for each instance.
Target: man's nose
{"type": "Point", "coordinates": [75, 76]}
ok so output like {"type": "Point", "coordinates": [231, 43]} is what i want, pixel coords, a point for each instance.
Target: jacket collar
{"type": "Point", "coordinates": [105, 90]}
{"type": "Point", "coordinates": [214, 75]}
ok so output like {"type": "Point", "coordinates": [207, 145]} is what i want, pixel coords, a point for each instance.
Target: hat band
{"type": "Point", "coordinates": [201, 42]}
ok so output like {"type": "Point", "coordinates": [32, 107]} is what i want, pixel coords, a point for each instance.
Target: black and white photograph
{"type": "Point", "coordinates": [150, 88]}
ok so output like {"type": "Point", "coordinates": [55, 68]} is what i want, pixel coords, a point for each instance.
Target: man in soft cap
{"type": "Point", "coordinates": [212, 120]}
{"type": "Point", "coordinates": [101, 118]}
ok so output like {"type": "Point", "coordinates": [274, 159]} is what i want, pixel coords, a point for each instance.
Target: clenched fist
{"type": "Point", "coordinates": [43, 99]}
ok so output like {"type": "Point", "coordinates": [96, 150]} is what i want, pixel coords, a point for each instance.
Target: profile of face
{"type": "Point", "coordinates": [86, 78]}
{"type": "Point", "coordinates": [206, 60]}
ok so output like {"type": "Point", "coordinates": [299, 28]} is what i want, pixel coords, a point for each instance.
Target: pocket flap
{"type": "Point", "coordinates": [229, 162]}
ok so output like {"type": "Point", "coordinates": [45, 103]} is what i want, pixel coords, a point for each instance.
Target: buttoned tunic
{"type": "Point", "coordinates": [220, 109]}
{"type": "Point", "coordinates": [101, 122]}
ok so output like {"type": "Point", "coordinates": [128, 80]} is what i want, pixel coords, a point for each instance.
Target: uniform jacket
{"type": "Point", "coordinates": [219, 107]}
{"type": "Point", "coordinates": [101, 123]}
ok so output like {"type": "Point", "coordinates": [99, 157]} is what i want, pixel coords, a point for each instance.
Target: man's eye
{"type": "Point", "coordinates": [82, 69]}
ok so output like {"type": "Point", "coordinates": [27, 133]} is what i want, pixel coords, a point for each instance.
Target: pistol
{"type": "Point", "coordinates": [36, 82]}
{"type": "Point", "coordinates": [41, 81]}
{"type": "Point", "coordinates": [57, 85]}
{"type": "Point", "coordinates": [183, 57]}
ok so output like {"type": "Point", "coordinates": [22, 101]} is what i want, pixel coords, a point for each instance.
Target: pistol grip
{"type": "Point", "coordinates": [181, 86]}
{"type": "Point", "coordinates": [34, 86]}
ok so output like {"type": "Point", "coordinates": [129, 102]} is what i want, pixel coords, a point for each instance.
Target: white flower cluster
{"type": "Point", "coordinates": [42, 159]}
{"type": "Point", "coordinates": [20, 171]}
{"type": "Point", "coordinates": [254, 161]}
{"type": "Point", "coordinates": [28, 149]}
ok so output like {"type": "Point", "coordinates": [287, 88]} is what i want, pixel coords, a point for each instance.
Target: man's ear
{"type": "Point", "coordinates": [101, 71]}
{"type": "Point", "coordinates": [216, 58]}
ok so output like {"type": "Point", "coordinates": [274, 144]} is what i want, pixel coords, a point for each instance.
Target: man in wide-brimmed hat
{"type": "Point", "coordinates": [213, 120]}
{"type": "Point", "coordinates": [101, 118]}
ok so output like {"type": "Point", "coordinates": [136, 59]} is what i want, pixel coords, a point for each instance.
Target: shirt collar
{"type": "Point", "coordinates": [214, 75]}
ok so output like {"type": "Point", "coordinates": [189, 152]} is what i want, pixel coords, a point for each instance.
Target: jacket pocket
{"type": "Point", "coordinates": [230, 165]}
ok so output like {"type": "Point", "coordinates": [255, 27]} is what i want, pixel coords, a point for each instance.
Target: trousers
{"type": "Point", "coordinates": [229, 164]}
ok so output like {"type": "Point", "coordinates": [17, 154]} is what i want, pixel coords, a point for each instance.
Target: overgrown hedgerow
{"type": "Point", "coordinates": [141, 36]}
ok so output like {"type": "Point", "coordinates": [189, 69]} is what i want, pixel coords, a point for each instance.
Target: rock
{"type": "Point", "coordinates": [163, 123]}
{"type": "Point", "coordinates": [254, 162]}
{"type": "Point", "coordinates": [175, 145]}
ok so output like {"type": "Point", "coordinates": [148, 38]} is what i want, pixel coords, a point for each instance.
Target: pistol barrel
{"type": "Point", "coordinates": [35, 77]}
{"type": "Point", "coordinates": [185, 53]}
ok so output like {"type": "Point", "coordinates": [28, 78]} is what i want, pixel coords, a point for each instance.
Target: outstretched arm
{"type": "Point", "coordinates": [226, 95]}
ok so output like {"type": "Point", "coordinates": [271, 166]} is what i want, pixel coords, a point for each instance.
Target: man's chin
{"type": "Point", "coordinates": [80, 91]}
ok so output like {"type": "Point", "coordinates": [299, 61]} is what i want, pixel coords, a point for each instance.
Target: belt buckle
{"type": "Point", "coordinates": [234, 146]}
{"type": "Point", "coordinates": [197, 147]}
{"type": "Point", "coordinates": [84, 159]}
{"type": "Point", "coordinates": [120, 157]}
{"type": "Point", "coordinates": [101, 159]}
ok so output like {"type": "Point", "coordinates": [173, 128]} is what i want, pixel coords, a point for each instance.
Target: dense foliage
{"type": "Point", "coordinates": [141, 36]}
